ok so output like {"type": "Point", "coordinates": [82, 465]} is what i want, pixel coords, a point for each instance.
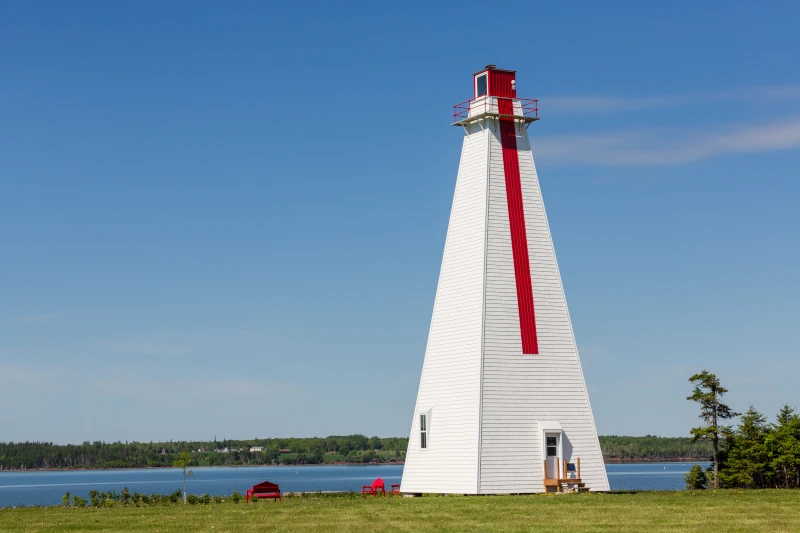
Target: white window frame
{"type": "Point", "coordinates": [426, 433]}
{"type": "Point", "coordinates": [486, 75]}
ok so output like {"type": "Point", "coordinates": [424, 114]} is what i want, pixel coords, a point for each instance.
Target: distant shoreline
{"type": "Point", "coordinates": [193, 467]}
{"type": "Point", "coordinates": [606, 460]}
{"type": "Point", "coordinates": [618, 460]}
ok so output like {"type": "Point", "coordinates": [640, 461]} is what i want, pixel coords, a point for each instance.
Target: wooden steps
{"type": "Point", "coordinates": [572, 485]}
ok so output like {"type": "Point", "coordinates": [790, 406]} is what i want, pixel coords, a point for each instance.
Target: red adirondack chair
{"type": "Point", "coordinates": [373, 489]}
{"type": "Point", "coordinates": [263, 490]}
{"type": "Point", "coordinates": [395, 488]}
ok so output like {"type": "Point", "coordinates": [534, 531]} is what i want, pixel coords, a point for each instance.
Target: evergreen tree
{"type": "Point", "coordinates": [783, 448]}
{"type": "Point", "coordinates": [707, 392]}
{"type": "Point", "coordinates": [696, 478]}
{"type": "Point", "coordinates": [747, 463]}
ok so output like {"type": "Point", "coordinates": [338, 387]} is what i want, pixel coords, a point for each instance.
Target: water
{"type": "Point", "coordinates": [47, 488]}
{"type": "Point", "coordinates": [647, 476]}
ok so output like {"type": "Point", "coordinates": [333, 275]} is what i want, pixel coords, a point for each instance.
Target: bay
{"type": "Point", "coordinates": [47, 487]}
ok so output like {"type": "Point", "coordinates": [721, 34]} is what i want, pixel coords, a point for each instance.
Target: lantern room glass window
{"type": "Point", "coordinates": [481, 85]}
{"type": "Point", "coordinates": [423, 431]}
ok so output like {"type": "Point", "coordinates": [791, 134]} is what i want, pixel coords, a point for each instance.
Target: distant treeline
{"type": "Point", "coordinates": [351, 448]}
{"type": "Point", "coordinates": [652, 448]}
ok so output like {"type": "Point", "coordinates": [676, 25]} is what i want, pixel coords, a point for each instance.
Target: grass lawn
{"type": "Point", "coordinates": [741, 511]}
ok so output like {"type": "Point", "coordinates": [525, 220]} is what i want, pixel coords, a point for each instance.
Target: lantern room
{"type": "Point", "coordinates": [494, 95]}
{"type": "Point", "coordinates": [492, 81]}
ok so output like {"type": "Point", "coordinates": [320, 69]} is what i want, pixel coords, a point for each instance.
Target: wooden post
{"type": "Point", "coordinates": [556, 466]}
{"type": "Point", "coordinates": [565, 469]}
{"type": "Point", "coordinates": [579, 468]}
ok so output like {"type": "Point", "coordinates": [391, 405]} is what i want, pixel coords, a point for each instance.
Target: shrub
{"type": "Point", "coordinates": [696, 478]}
{"type": "Point", "coordinates": [65, 499]}
{"type": "Point", "coordinates": [102, 499]}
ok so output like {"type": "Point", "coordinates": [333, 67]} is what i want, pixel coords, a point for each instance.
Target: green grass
{"type": "Point", "coordinates": [734, 511]}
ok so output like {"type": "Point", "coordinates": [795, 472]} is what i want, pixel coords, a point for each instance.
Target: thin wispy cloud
{"type": "Point", "coordinates": [177, 344]}
{"type": "Point", "coordinates": [581, 104]}
{"type": "Point", "coordinates": [37, 319]}
{"type": "Point", "coordinates": [667, 147]}
{"type": "Point", "coordinates": [602, 104]}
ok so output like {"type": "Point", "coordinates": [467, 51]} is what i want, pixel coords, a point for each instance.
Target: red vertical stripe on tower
{"type": "Point", "coordinates": [519, 238]}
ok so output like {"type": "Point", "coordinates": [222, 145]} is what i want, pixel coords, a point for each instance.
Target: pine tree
{"type": "Point", "coordinates": [707, 392]}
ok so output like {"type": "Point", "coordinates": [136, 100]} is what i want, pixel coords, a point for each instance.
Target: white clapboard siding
{"type": "Point", "coordinates": [520, 390]}
{"type": "Point", "coordinates": [450, 384]}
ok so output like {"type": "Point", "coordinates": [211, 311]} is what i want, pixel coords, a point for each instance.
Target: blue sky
{"type": "Point", "coordinates": [228, 219]}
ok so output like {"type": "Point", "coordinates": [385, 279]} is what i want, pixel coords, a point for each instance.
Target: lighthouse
{"type": "Point", "coordinates": [502, 405]}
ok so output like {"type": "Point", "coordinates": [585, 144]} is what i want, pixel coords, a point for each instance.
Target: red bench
{"type": "Point", "coordinates": [263, 490]}
{"type": "Point", "coordinates": [373, 489]}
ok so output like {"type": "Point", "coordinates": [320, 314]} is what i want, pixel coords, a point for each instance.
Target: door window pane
{"type": "Point", "coordinates": [552, 446]}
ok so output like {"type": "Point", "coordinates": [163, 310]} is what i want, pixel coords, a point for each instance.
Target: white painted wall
{"type": "Point", "coordinates": [450, 383]}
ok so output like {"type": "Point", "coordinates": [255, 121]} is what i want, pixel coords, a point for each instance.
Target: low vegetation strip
{"type": "Point", "coordinates": [701, 511]}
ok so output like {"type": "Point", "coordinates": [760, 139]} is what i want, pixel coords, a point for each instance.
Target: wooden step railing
{"type": "Point", "coordinates": [561, 474]}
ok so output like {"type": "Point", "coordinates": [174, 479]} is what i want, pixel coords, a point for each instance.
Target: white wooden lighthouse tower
{"type": "Point", "coordinates": [502, 405]}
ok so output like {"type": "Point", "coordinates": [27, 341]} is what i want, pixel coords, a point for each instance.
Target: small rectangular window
{"type": "Point", "coordinates": [552, 446]}
{"type": "Point", "coordinates": [480, 89]}
{"type": "Point", "coordinates": [423, 432]}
